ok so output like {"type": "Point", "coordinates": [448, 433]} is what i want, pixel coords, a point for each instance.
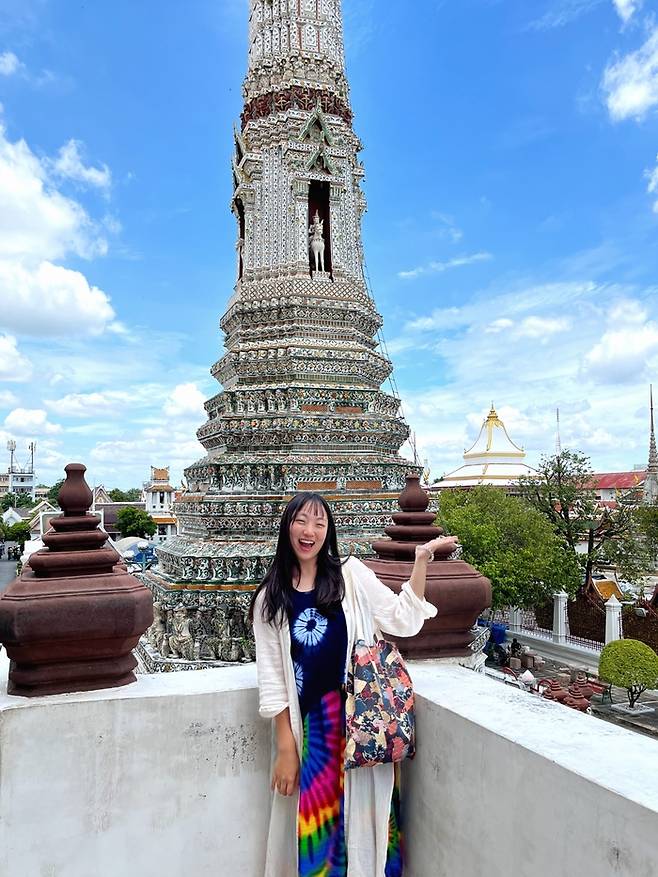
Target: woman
{"type": "Point", "coordinates": [325, 821]}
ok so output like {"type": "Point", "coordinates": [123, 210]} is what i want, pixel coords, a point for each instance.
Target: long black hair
{"type": "Point", "coordinates": [277, 584]}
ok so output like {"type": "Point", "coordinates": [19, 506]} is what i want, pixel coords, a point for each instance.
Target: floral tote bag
{"type": "Point", "coordinates": [379, 706]}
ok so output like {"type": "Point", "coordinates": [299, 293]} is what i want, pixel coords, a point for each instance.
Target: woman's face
{"type": "Point", "coordinates": [308, 531]}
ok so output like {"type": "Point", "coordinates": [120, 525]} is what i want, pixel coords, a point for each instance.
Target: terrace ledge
{"type": "Point", "coordinates": [171, 773]}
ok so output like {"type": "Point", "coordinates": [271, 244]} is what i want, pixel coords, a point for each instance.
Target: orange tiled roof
{"type": "Point", "coordinates": [618, 480]}
{"type": "Point", "coordinates": [606, 588]}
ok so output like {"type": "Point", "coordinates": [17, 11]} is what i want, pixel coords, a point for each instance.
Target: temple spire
{"type": "Point", "coordinates": [650, 492]}
{"type": "Point", "coordinates": [295, 43]}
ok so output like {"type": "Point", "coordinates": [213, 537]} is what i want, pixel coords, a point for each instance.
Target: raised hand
{"type": "Point", "coordinates": [426, 551]}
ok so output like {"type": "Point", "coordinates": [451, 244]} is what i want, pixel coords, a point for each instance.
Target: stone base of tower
{"type": "Point", "coordinates": [202, 587]}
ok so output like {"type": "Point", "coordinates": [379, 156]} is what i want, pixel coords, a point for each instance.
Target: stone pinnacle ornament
{"type": "Point", "coordinates": [69, 622]}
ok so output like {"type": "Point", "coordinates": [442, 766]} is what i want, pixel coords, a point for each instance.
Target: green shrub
{"type": "Point", "coordinates": [629, 664]}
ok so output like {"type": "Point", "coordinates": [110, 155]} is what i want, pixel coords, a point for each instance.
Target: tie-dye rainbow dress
{"type": "Point", "coordinates": [318, 650]}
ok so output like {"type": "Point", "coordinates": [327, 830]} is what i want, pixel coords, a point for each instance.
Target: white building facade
{"type": "Point", "coordinates": [158, 497]}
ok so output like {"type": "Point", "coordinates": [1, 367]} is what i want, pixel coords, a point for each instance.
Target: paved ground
{"type": "Point", "coordinates": [7, 571]}
{"type": "Point", "coordinates": [643, 724]}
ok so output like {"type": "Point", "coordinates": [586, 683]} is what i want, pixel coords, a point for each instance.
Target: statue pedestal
{"type": "Point", "coordinates": [321, 276]}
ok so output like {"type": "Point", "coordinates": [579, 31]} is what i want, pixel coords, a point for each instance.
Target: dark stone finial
{"type": "Point", "coordinates": [413, 498]}
{"type": "Point", "coordinates": [75, 496]}
{"type": "Point", "coordinates": [70, 621]}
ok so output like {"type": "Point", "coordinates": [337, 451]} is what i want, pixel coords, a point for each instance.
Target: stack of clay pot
{"type": "Point", "coordinates": [555, 692]}
{"type": "Point", "coordinates": [72, 618]}
{"type": "Point", "coordinates": [459, 592]}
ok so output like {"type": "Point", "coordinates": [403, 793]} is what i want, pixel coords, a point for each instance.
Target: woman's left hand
{"type": "Point", "coordinates": [426, 551]}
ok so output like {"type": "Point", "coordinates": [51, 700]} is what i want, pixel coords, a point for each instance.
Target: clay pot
{"type": "Point", "coordinates": [585, 688]}
{"type": "Point", "coordinates": [413, 498]}
{"type": "Point", "coordinates": [555, 692]}
{"type": "Point", "coordinates": [75, 496]}
{"type": "Point", "coordinates": [575, 699]}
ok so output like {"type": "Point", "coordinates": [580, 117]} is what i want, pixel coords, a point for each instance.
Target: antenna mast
{"type": "Point", "coordinates": [558, 440]}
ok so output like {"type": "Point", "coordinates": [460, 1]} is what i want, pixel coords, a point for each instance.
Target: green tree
{"type": "Point", "coordinates": [132, 521]}
{"type": "Point", "coordinates": [19, 533]}
{"type": "Point", "coordinates": [511, 543]}
{"type": "Point", "coordinates": [562, 492]}
{"type": "Point", "coordinates": [134, 494]}
{"type": "Point", "coordinates": [53, 493]}
{"type": "Point", "coordinates": [16, 501]}
{"type": "Point", "coordinates": [629, 664]}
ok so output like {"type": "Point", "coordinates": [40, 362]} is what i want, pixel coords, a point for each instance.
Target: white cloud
{"type": "Point", "coordinates": [563, 13]}
{"type": "Point", "coordinates": [440, 318]}
{"type": "Point", "coordinates": [447, 227]}
{"type": "Point", "coordinates": [101, 404]}
{"type": "Point", "coordinates": [7, 399]}
{"type": "Point", "coordinates": [185, 401]}
{"type": "Point", "coordinates": [627, 350]}
{"type": "Point", "coordinates": [440, 267]}
{"type": "Point", "coordinates": [39, 224]}
{"type": "Point", "coordinates": [49, 300]}
{"type": "Point", "coordinates": [37, 221]}
{"type": "Point", "coordinates": [499, 326]}
{"type": "Point", "coordinates": [70, 166]}
{"type": "Point", "coordinates": [630, 83]}
{"type": "Point", "coordinates": [9, 64]}
{"type": "Point", "coordinates": [652, 185]}
{"type": "Point", "coordinates": [13, 365]}
{"type": "Point", "coordinates": [30, 422]}
{"type": "Point", "coordinates": [524, 345]}
{"type": "Point", "coordinates": [627, 8]}
{"type": "Point", "coordinates": [540, 327]}
{"type": "Point", "coordinates": [120, 460]}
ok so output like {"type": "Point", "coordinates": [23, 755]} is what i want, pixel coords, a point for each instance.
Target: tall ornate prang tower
{"type": "Point", "coordinates": [301, 406]}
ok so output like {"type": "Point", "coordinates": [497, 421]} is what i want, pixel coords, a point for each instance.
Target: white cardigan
{"type": "Point", "coordinates": [368, 790]}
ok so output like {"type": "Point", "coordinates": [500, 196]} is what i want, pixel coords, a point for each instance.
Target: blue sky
{"type": "Point", "coordinates": [512, 232]}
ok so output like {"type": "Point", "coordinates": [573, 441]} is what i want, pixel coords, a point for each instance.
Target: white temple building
{"type": "Point", "coordinates": [494, 459]}
{"type": "Point", "coordinates": [158, 495]}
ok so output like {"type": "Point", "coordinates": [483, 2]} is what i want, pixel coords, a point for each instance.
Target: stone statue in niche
{"type": "Point", "coordinates": [238, 636]}
{"type": "Point", "coordinates": [158, 630]}
{"type": "Point", "coordinates": [316, 232]}
{"type": "Point", "coordinates": [215, 644]}
{"type": "Point", "coordinates": [181, 641]}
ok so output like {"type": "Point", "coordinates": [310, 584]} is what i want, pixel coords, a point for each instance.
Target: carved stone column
{"type": "Point", "coordinates": [458, 591]}
{"type": "Point", "coordinates": [69, 622]}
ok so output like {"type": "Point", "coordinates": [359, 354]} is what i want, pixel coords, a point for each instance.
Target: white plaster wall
{"type": "Point", "coordinates": [507, 784]}
{"type": "Point", "coordinates": [171, 776]}
{"type": "Point", "coordinates": [167, 776]}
